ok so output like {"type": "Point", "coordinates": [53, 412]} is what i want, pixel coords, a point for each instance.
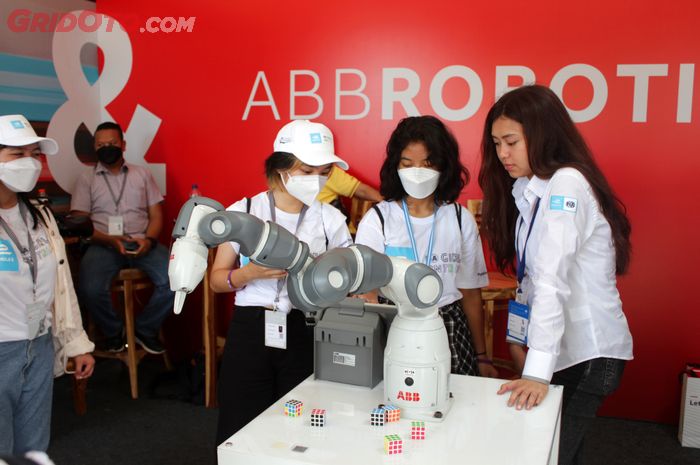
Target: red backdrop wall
{"type": "Point", "coordinates": [199, 84]}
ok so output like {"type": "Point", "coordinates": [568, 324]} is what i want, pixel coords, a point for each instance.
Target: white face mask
{"type": "Point", "coordinates": [305, 187]}
{"type": "Point", "coordinates": [20, 175]}
{"type": "Point", "coordinates": [419, 182]}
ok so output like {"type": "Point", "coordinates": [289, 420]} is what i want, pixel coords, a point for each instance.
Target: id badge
{"type": "Point", "coordinates": [518, 322]}
{"type": "Point", "coordinates": [115, 225]}
{"type": "Point", "coordinates": [275, 329]}
{"type": "Point", "coordinates": [36, 313]}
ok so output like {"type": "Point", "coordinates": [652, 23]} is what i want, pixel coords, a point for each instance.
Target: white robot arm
{"type": "Point", "coordinates": [417, 354]}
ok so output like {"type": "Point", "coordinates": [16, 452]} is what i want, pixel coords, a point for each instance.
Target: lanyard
{"type": "Point", "coordinates": [28, 253]}
{"type": "Point", "coordinates": [121, 191]}
{"type": "Point", "coordinates": [407, 219]}
{"type": "Point", "coordinates": [302, 213]}
{"type": "Point", "coordinates": [520, 259]}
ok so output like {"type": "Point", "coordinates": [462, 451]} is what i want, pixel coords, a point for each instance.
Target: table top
{"type": "Point", "coordinates": [480, 428]}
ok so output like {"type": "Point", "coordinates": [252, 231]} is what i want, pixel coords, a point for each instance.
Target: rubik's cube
{"type": "Point", "coordinates": [393, 413]}
{"type": "Point", "coordinates": [318, 417]}
{"type": "Point", "coordinates": [417, 430]}
{"type": "Point", "coordinates": [393, 444]}
{"type": "Point", "coordinates": [377, 417]}
{"type": "Point", "coordinates": [292, 408]}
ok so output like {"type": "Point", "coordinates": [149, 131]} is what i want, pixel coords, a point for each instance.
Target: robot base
{"type": "Point", "coordinates": [435, 416]}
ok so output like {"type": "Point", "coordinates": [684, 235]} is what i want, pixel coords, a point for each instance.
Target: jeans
{"type": "Point", "coordinates": [98, 268]}
{"type": "Point", "coordinates": [585, 387]}
{"type": "Point", "coordinates": [26, 390]}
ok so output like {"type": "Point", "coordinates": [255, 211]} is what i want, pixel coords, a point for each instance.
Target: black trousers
{"type": "Point", "coordinates": [254, 376]}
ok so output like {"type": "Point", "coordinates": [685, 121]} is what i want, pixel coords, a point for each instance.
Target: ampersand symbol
{"type": "Point", "coordinates": [87, 102]}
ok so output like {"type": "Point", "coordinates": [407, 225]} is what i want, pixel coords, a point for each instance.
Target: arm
{"type": "Point", "coordinates": [155, 224]}
{"type": "Point", "coordinates": [370, 233]}
{"type": "Point", "coordinates": [366, 192]}
{"type": "Point", "coordinates": [224, 264]}
{"type": "Point", "coordinates": [102, 238]}
{"type": "Point", "coordinates": [474, 311]}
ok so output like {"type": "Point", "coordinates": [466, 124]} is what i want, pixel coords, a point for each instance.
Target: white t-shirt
{"type": "Point", "coordinates": [459, 260]}
{"type": "Point", "coordinates": [321, 221]}
{"type": "Point", "coordinates": [16, 285]}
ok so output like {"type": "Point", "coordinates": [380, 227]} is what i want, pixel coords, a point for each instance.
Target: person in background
{"type": "Point", "coordinates": [40, 325]}
{"type": "Point", "coordinates": [548, 207]}
{"type": "Point", "coordinates": [256, 371]}
{"type": "Point", "coordinates": [124, 204]}
{"type": "Point", "coordinates": [343, 184]}
{"type": "Point", "coordinates": [421, 179]}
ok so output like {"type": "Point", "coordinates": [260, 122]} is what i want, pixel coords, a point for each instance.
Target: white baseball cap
{"type": "Point", "coordinates": [15, 131]}
{"type": "Point", "coordinates": [310, 142]}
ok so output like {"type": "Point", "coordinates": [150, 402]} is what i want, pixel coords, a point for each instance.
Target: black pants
{"type": "Point", "coordinates": [254, 376]}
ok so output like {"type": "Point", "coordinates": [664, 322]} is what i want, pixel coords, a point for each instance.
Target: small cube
{"type": "Point", "coordinates": [292, 408]}
{"type": "Point", "coordinates": [393, 413]}
{"type": "Point", "coordinates": [318, 417]}
{"type": "Point", "coordinates": [393, 444]}
{"type": "Point", "coordinates": [417, 430]}
{"type": "Point", "coordinates": [377, 417]}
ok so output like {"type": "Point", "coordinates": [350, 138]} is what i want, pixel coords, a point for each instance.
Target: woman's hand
{"type": "Point", "coordinates": [253, 271]}
{"type": "Point", "coordinates": [525, 393]}
{"type": "Point", "coordinates": [84, 366]}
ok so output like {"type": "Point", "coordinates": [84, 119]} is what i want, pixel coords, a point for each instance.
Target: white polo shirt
{"type": "Point", "coordinates": [457, 258]}
{"type": "Point", "coordinates": [321, 221]}
{"type": "Point", "coordinates": [570, 282]}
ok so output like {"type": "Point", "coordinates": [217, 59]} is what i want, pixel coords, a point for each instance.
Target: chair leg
{"type": "Point", "coordinates": [488, 330]}
{"type": "Point", "coordinates": [131, 338]}
{"type": "Point", "coordinates": [79, 395]}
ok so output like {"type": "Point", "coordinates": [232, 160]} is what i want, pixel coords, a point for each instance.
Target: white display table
{"type": "Point", "coordinates": [479, 429]}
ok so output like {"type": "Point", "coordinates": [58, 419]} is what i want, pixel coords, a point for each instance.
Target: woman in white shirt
{"type": "Point", "coordinates": [254, 374]}
{"type": "Point", "coordinates": [548, 208]}
{"type": "Point", "coordinates": [40, 325]}
{"type": "Point", "coordinates": [421, 179]}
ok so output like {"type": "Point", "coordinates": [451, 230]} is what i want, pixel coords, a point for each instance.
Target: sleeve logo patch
{"type": "Point", "coordinates": [559, 202]}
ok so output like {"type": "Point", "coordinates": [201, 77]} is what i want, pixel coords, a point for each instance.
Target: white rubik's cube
{"type": "Point", "coordinates": [377, 417]}
{"type": "Point", "coordinates": [318, 417]}
{"type": "Point", "coordinates": [417, 430]}
{"type": "Point", "coordinates": [292, 408]}
{"type": "Point", "coordinates": [393, 413]}
{"type": "Point", "coordinates": [393, 444]}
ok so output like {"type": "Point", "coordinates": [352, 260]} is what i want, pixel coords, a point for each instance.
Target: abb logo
{"type": "Point", "coordinates": [409, 396]}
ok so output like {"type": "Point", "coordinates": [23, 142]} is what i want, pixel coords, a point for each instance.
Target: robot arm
{"type": "Point", "coordinates": [314, 284]}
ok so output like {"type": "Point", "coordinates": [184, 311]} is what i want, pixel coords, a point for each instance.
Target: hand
{"type": "Point", "coordinates": [118, 243]}
{"type": "Point", "coordinates": [487, 370]}
{"type": "Point", "coordinates": [524, 393]}
{"type": "Point", "coordinates": [371, 297]}
{"type": "Point", "coordinates": [253, 271]}
{"type": "Point", "coordinates": [144, 246]}
{"type": "Point", "coordinates": [84, 365]}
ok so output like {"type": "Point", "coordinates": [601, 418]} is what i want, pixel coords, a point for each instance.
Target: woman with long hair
{"type": "Point", "coordinates": [421, 179]}
{"type": "Point", "coordinates": [550, 215]}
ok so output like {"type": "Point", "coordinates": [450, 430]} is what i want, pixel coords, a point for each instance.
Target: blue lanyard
{"type": "Point", "coordinates": [520, 259]}
{"type": "Point", "coordinates": [407, 218]}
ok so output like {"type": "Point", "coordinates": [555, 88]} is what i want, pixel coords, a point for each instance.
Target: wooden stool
{"type": "Point", "coordinates": [79, 389]}
{"type": "Point", "coordinates": [127, 281]}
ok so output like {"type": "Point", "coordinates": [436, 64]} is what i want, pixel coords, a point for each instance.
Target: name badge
{"type": "Point", "coordinates": [518, 322]}
{"type": "Point", "coordinates": [36, 316]}
{"type": "Point", "coordinates": [275, 329]}
{"type": "Point", "coordinates": [115, 225]}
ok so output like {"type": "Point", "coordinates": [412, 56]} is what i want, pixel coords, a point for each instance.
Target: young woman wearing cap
{"type": "Point", "coordinates": [255, 373]}
{"type": "Point", "coordinates": [421, 179]}
{"type": "Point", "coordinates": [39, 308]}
{"type": "Point", "coordinates": [548, 207]}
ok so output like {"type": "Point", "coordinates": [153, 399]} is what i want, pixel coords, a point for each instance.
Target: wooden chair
{"type": "Point", "coordinates": [495, 297]}
{"type": "Point", "coordinates": [79, 390]}
{"type": "Point", "coordinates": [127, 281]}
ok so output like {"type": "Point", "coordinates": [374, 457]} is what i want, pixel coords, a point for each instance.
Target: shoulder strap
{"type": "Point", "coordinates": [381, 217]}
{"type": "Point", "coordinates": [323, 224]}
{"type": "Point", "coordinates": [458, 210]}
{"type": "Point", "coordinates": [247, 205]}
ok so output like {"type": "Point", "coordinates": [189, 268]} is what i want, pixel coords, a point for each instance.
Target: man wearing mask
{"type": "Point", "coordinates": [124, 204]}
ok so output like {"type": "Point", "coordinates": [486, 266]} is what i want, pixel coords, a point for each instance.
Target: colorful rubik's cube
{"type": "Point", "coordinates": [393, 413]}
{"type": "Point", "coordinates": [292, 408]}
{"type": "Point", "coordinates": [377, 417]}
{"type": "Point", "coordinates": [417, 430]}
{"type": "Point", "coordinates": [393, 444]}
{"type": "Point", "coordinates": [318, 417]}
